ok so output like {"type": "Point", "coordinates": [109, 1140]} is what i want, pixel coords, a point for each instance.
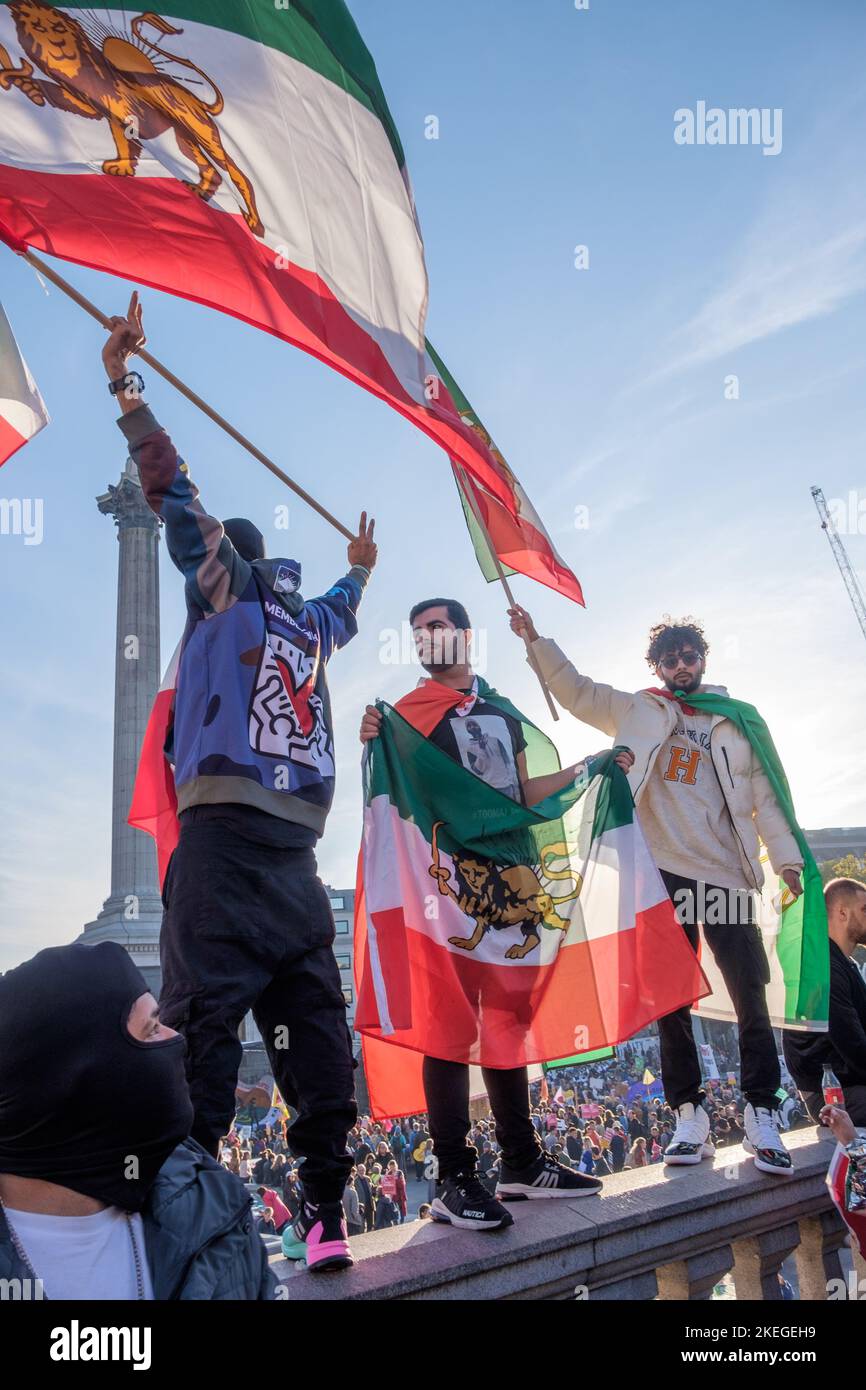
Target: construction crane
{"type": "Point", "coordinates": [852, 584]}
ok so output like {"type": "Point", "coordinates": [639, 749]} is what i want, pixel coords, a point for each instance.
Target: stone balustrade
{"type": "Point", "coordinates": [654, 1233]}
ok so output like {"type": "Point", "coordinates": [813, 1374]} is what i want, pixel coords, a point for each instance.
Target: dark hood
{"type": "Point", "coordinates": [83, 1103]}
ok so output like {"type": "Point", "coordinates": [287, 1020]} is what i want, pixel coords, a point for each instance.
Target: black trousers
{"type": "Point", "coordinates": [739, 953]}
{"type": "Point", "coordinates": [446, 1087]}
{"type": "Point", "coordinates": [249, 926]}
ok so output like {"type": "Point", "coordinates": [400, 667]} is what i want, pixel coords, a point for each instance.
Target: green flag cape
{"type": "Point", "coordinates": [496, 934]}
{"type": "Point", "coordinates": [802, 943]}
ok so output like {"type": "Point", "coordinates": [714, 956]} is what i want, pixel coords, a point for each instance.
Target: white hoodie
{"type": "Point", "coordinates": [644, 721]}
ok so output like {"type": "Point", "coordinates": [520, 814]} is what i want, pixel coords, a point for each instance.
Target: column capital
{"type": "Point", "coordinates": [126, 502]}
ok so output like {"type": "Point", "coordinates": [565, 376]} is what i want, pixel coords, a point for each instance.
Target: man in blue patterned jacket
{"type": "Point", "coordinates": [247, 922]}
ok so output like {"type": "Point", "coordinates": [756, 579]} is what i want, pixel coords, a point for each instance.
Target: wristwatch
{"type": "Point", "coordinates": [130, 380]}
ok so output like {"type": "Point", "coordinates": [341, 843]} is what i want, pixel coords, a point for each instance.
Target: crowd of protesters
{"type": "Point", "coordinates": [376, 1193]}
{"type": "Point", "coordinates": [589, 1117]}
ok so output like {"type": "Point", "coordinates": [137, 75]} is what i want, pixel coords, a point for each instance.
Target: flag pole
{"type": "Point", "coordinates": [530, 654]}
{"type": "Point", "coordinates": [44, 269]}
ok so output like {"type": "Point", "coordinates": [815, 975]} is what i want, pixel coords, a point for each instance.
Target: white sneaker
{"type": "Point", "coordinates": [764, 1142]}
{"type": "Point", "coordinates": [690, 1141]}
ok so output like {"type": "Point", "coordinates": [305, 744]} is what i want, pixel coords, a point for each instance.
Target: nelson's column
{"type": "Point", "coordinates": [132, 912]}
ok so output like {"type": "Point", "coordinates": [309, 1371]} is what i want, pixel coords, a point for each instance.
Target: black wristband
{"type": "Point", "coordinates": [123, 382]}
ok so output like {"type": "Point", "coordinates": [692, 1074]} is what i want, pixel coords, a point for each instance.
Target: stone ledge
{"type": "Point", "coordinates": [613, 1244]}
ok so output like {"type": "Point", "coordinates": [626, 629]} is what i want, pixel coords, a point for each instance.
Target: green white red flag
{"type": "Point", "coordinates": [794, 931]}
{"type": "Point", "coordinates": [490, 933]}
{"type": "Point", "coordinates": [797, 958]}
{"type": "Point", "coordinates": [242, 155]}
{"type": "Point", "coordinates": [22, 409]}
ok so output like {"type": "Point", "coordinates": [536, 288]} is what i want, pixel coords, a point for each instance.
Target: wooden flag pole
{"type": "Point", "coordinates": [503, 579]}
{"type": "Point", "coordinates": [91, 309]}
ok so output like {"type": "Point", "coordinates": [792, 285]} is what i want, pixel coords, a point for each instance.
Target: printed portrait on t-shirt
{"type": "Point", "coordinates": [485, 748]}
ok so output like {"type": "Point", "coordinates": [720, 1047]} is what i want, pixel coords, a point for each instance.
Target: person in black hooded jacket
{"type": "Point", "coordinates": [102, 1194]}
{"type": "Point", "coordinates": [843, 1046]}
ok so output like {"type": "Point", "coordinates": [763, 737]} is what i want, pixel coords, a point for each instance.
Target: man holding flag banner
{"type": "Point", "coordinates": [246, 756]}
{"type": "Point", "coordinates": [492, 929]}
{"type": "Point", "coordinates": [711, 788]}
{"type": "Point", "coordinates": [244, 156]}
{"type": "Point", "coordinates": [114, 157]}
{"type": "Point", "coordinates": [510, 905]}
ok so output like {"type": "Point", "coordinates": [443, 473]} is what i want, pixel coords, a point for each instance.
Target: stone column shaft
{"type": "Point", "coordinates": [132, 913]}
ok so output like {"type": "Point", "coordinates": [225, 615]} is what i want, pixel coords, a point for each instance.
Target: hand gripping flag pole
{"type": "Point", "coordinates": [50, 274]}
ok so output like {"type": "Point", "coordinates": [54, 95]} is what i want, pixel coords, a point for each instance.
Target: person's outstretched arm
{"type": "Point", "coordinates": [535, 789]}
{"type": "Point", "coordinates": [599, 705]}
{"type": "Point", "coordinates": [215, 574]}
{"type": "Point", "coordinates": [335, 613]}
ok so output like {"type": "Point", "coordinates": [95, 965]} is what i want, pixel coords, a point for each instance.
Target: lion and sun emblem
{"type": "Point", "coordinates": [497, 898]}
{"type": "Point", "coordinates": [94, 71]}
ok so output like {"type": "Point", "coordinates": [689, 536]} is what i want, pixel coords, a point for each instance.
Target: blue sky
{"type": "Point", "coordinates": [604, 387]}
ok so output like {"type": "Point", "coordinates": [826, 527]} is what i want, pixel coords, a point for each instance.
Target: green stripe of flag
{"type": "Point", "coordinates": [598, 1054]}
{"type": "Point", "coordinates": [322, 35]}
{"type": "Point", "coordinates": [613, 805]}
{"type": "Point", "coordinates": [427, 786]}
{"type": "Point", "coordinates": [801, 946]}
{"type": "Point", "coordinates": [461, 401]}
{"type": "Point", "coordinates": [483, 552]}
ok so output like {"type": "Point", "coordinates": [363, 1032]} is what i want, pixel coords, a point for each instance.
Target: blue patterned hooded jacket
{"type": "Point", "coordinates": [252, 719]}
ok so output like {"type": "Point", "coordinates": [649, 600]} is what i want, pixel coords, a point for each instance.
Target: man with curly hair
{"type": "Point", "coordinates": [705, 801]}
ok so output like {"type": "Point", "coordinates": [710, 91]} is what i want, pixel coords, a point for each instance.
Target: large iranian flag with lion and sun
{"type": "Point", "coordinates": [496, 934]}
{"type": "Point", "coordinates": [241, 153]}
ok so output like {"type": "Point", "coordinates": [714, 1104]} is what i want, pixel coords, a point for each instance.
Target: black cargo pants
{"type": "Point", "coordinates": [735, 941]}
{"type": "Point", "coordinates": [249, 926]}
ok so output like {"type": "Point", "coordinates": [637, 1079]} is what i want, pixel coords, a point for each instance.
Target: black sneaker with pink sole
{"type": "Point", "coordinates": [322, 1228]}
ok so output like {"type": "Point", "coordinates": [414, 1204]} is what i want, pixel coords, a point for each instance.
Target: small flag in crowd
{"type": "Point", "coordinates": [22, 409]}
{"type": "Point", "coordinates": [278, 1105]}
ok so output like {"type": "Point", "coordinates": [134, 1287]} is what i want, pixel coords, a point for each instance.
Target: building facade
{"type": "Point", "coordinates": [343, 908]}
{"type": "Point", "coordinates": [828, 846]}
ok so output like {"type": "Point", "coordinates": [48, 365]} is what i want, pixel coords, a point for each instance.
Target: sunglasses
{"type": "Point", "coordinates": [670, 663]}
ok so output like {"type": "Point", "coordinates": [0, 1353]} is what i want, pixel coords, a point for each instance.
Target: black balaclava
{"type": "Point", "coordinates": [82, 1102]}
{"type": "Point", "coordinates": [246, 538]}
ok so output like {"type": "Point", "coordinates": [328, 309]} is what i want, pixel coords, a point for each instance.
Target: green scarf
{"type": "Point", "coordinates": [802, 945]}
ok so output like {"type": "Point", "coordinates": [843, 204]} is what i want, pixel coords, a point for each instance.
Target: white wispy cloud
{"type": "Point", "coordinates": [782, 280]}
{"type": "Point", "coordinates": [802, 258]}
